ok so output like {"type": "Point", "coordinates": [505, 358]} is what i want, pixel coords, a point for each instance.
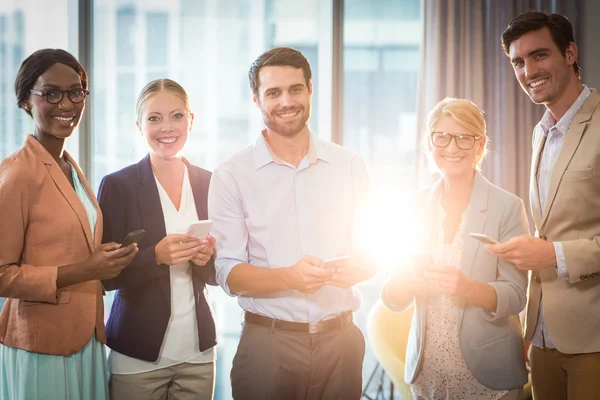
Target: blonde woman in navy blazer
{"type": "Point", "coordinates": [465, 340]}
{"type": "Point", "coordinates": [161, 329]}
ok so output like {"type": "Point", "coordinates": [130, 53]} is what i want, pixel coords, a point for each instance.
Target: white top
{"type": "Point", "coordinates": [268, 213]}
{"type": "Point", "coordinates": [444, 372]}
{"type": "Point", "coordinates": [180, 343]}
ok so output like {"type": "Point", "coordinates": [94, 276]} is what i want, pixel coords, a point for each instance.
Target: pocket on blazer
{"type": "Point", "coordinates": [576, 174]}
{"type": "Point", "coordinates": [491, 341]}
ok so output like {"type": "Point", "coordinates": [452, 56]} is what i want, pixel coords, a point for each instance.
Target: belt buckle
{"type": "Point", "coordinates": [313, 327]}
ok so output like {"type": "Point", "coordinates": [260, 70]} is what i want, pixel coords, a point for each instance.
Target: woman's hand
{"type": "Point", "coordinates": [448, 280]}
{"type": "Point", "coordinates": [452, 282]}
{"type": "Point", "coordinates": [207, 249]}
{"type": "Point", "coordinates": [176, 249]}
{"type": "Point", "coordinates": [106, 262]}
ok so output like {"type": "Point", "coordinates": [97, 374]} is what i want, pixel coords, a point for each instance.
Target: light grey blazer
{"type": "Point", "coordinates": [491, 344]}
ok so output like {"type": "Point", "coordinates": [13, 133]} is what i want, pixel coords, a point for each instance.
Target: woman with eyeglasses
{"type": "Point", "coordinates": [51, 260]}
{"type": "Point", "coordinates": [465, 340]}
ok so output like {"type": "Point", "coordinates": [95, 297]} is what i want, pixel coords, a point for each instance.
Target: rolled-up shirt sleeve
{"type": "Point", "coordinates": [561, 262]}
{"type": "Point", "coordinates": [226, 211]}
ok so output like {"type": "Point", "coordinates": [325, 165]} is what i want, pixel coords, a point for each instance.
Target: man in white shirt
{"type": "Point", "coordinates": [280, 208]}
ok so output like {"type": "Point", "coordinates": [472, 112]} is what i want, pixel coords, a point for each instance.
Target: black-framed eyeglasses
{"type": "Point", "coordinates": [54, 96]}
{"type": "Point", "coordinates": [463, 141]}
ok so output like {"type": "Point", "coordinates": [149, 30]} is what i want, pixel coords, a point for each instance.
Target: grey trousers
{"type": "Point", "coordinates": [273, 364]}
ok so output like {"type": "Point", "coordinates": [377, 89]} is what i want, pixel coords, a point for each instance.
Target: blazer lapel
{"type": "Point", "coordinates": [474, 223]}
{"type": "Point", "coordinates": [534, 195]}
{"type": "Point", "coordinates": [97, 237]}
{"type": "Point", "coordinates": [63, 185]}
{"type": "Point", "coordinates": [151, 211]}
{"type": "Point", "coordinates": [200, 193]}
{"type": "Point", "coordinates": [570, 145]}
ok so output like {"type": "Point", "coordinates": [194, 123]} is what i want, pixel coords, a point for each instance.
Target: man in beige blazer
{"type": "Point", "coordinates": [563, 311]}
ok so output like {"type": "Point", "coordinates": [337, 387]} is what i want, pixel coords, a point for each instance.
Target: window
{"type": "Point", "coordinates": [20, 25]}
{"type": "Point", "coordinates": [381, 62]}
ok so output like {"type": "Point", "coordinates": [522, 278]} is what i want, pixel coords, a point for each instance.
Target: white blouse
{"type": "Point", "coordinates": [180, 344]}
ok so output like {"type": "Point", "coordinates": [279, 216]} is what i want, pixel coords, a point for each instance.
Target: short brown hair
{"type": "Point", "coordinates": [559, 26]}
{"type": "Point", "coordinates": [281, 57]}
{"type": "Point", "coordinates": [36, 64]}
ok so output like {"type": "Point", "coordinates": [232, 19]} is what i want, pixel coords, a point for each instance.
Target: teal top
{"type": "Point", "coordinates": [88, 204]}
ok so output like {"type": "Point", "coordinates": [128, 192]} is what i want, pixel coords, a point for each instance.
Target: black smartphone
{"type": "Point", "coordinates": [133, 237]}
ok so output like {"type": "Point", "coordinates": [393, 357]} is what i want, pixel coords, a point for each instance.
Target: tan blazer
{"type": "Point", "coordinates": [571, 216]}
{"type": "Point", "coordinates": [43, 225]}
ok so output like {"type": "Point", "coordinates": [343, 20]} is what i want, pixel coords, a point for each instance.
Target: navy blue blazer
{"type": "Point", "coordinates": [141, 310]}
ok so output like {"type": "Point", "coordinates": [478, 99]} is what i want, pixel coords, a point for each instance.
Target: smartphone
{"type": "Point", "coordinates": [133, 237]}
{"type": "Point", "coordinates": [483, 238]}
{"type": "Point", "coordinates": [200, 228]}
{"type": "Point", "coordinates": [335, 263]}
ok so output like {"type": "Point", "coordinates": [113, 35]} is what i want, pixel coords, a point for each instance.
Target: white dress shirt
{"type": "Point", "coordinates": [268, 213]}
{"type": "Point", "coordinates": [180, 343]}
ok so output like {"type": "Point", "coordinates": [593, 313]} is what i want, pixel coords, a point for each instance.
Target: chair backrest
{"type": "Point", "coordinates": [388, 336]}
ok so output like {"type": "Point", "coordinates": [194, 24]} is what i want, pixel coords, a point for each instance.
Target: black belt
{"type": "Point", "coordinates": [327, 325]}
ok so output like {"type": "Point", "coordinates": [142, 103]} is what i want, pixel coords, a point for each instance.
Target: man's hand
{"type": "Point", "coordinates": [207, 248]}
{"type": "Point", "coordinates": [526, 252]}
{"type": "Point", "coordinates": [307, 275]}
{"type": "Point", "coordinates": [447, 280]}
{"type": "Point", "coordinates": [355, 270]}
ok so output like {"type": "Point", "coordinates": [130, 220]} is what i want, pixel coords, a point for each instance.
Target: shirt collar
{"type": "Point", "coordinates": [562, 126]}
{"type": "Point", "coordinates": [263, 154]}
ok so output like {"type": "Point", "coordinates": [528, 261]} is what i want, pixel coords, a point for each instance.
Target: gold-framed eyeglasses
{"type": "Point", "coordinates": [54, 96]}
{"type": "Point", "coordinates": [463, 141]}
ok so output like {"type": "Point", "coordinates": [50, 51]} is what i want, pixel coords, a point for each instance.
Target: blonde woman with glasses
{"type": "Point", "coordinates": [465, 340]}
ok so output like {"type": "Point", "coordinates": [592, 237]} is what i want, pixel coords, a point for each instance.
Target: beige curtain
{"type": "Point", "coordinates": [462, 57]}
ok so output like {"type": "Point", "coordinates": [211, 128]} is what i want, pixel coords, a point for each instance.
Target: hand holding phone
{"type": "Point", "coordinates": [200, 228]}
{"type": "Point", "coordinates": [483, 238]}
{"type": "Point", "coordinates": [338, 262]}
{"type": "Point", "coordinates": [133, 237]}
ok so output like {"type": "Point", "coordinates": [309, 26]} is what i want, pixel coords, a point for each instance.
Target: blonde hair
{"type": "Point", "coordinates": [466, 114]}
{"type": "Point", "coordinates": [160, 86]}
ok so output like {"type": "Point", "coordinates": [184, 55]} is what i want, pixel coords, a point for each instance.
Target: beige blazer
{"type": "Point", "coordinates": [571, 216]}
{"type": "Point", "coordinates": [43, 225]}
{"type": "Point", "coordinates": [491, 344]}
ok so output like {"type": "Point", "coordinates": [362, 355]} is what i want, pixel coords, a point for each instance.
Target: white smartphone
{"type": "Point", "coordinates": [200, 228]}
{"type": "Point", "coordinates": [484, 238]}
{"type": "Point", "coordinates": [335, 263]}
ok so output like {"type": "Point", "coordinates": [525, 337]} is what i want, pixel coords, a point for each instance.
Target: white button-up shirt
{"type": "Point", "coordinates": [270, 214]}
